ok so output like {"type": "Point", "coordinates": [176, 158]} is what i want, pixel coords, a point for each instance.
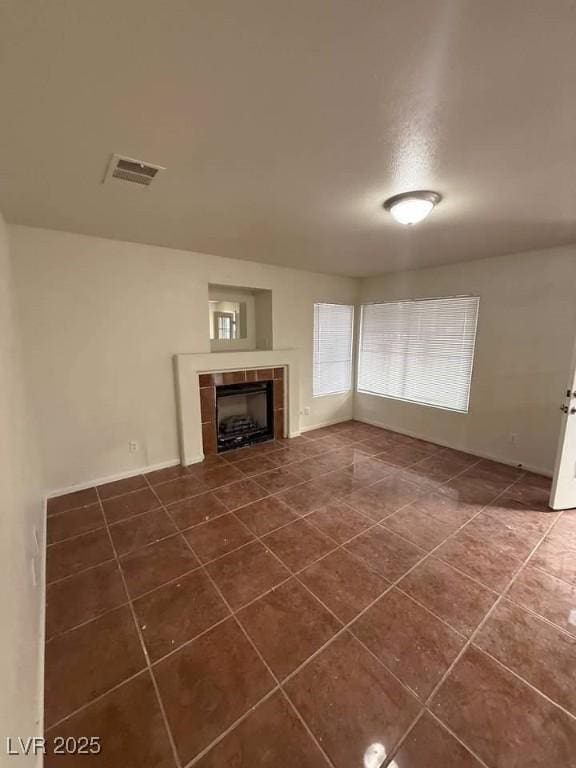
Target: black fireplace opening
{"type": "Point", "coordinates": [244, 414]}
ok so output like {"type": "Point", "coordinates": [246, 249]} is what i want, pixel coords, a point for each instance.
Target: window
{"type": "Point", "coordinates": [226, 325]}
{"type": "Point", "coordinates": [421, 351]}
{"type": "Point", "coordinates": [333, 330]}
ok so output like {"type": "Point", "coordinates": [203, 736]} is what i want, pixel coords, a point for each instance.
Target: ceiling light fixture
{"type": "Point", "coordinates": [412, 207]}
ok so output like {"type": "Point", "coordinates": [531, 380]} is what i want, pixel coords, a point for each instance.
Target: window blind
{"type": "Point", "coordinates": [333, 330]}
{"type": "Point", "coordinates": [420, 351]}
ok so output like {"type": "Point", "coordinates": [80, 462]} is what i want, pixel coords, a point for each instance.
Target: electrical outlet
{"type": "Point", "coordinates": [133, 446]}
{"type": "Point", "coordinates": [33, 573]}
{"type": "Point", "coordinates": [307, 411]}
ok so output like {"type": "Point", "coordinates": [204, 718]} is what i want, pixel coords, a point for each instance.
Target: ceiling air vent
{"type": "Point", "coordinates": [133, 171]}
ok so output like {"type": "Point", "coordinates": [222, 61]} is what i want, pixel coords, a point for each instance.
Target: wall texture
{"type": "Point", "coordinates": [21, 511]}
{"type": "Point", "coordinates": [101, 322]}
{"type": "Point", "coordinates": [526, 330]}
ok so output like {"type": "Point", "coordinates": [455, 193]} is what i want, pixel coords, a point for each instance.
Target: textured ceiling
{"type": "Point", "coordinates": [284, 125]}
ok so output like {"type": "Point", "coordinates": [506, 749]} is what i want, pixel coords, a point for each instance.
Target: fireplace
{"type": "Point", "coordinates": [241, 407]}
{"type": "Point", "coordinates": [244, 414]}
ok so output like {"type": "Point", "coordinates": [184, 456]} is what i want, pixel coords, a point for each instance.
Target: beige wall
{"type": "Point", "coordinates": [526, 330]}
{"type": "Point", "coordinates": [102, 319]}
{"type": "Point", "coordinates": [101, 322]}
{"type": "Point", "coordinates": [21, 511]}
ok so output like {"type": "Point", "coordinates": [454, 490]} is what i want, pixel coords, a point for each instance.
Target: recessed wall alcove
{"type": "Point", "coordinates": [240, 318]}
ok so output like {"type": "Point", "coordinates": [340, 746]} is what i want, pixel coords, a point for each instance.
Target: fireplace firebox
{"type": "Point", "coordinates": [244, 414]}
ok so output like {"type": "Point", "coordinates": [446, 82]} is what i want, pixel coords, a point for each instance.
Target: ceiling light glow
{"type": "Point", "coordinates": [412, 207]}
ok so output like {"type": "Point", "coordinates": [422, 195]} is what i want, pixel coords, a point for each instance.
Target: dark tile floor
{"type": "Point", "coordinates": [351, 598]}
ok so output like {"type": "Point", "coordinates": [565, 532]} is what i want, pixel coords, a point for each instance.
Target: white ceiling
{"type": "Point", "coordinates": [284, 124]}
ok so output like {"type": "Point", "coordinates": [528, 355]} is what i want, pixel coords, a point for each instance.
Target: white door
{"type": "Point", "coordinates": [563, 494]}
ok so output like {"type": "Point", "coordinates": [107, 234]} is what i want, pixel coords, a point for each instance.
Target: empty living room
{"type": "Point", "coordinates": [288, 384]}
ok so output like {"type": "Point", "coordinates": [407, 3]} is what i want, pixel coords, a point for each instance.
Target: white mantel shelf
{"type": "Point", "coordinates": [187, 368]}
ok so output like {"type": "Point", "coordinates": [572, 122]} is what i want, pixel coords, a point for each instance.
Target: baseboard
{"type": "Point", "coordinates": [329, 423]}
{"type": "Point", "coordinates": [481, 454]}
{"type": "Point", "coordinates": [113, 478]}
{"type": "Point", "coordinates": [200, 457]}
{"type": "Point", "coordinates": [196, 459]}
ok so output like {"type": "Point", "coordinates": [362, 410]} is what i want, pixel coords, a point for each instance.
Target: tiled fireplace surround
{"type": "Point", "coordinates": [198, 374]}
{"type": "Point", "coordinates": [208, 383]}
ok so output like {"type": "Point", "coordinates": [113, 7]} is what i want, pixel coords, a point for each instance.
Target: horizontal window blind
{"type": "Point", "coordinates": [421, 351]}
{"type": "Point", "coordinates": [333, 330]}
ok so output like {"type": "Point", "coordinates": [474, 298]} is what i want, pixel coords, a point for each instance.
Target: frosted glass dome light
{"type": "Point", "coordinates": [412, 207]}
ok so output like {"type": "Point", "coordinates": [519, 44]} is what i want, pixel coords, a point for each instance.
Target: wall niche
{"type": "Point", "coordinates": [239, 318]}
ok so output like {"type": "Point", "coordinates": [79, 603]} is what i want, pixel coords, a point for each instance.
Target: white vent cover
{"type": "Point", "coordinates": [131, 170]}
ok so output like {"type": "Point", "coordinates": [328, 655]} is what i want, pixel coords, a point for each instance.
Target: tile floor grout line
{"type": "Point", "coordinates": [82, 570]}
{"type": "Point", "coordinates": [389, 587]}
{"type": "Point", "coordinates": [117, 495]}
{"type": "Point", "coordinates": [307, 728]}
{"type": "Point", "coordinates": [74, 536]}
{"type": "Point", "coordinates": [536, 615]}
{"type": "Point", "coordinates": [145, 653]}
{"type": "Point", "coordinates": [348, 624]}
{"type": "Point", "coordinates": [553, 575]}
{"type": "Point", "coordinates": [190, 640]}
{"type": "Point", "coordinates": [487, 616]}
{"type": "Point", "coordinates": [338, 546]}
{"type": "Point", "coordinates": [87, 621]}
{"type": "Point", "coordinates": [204, 751]}
{"type": "Point", "coordinates": [356, 444]}
{"type": "Point", "coordinates": [295, 574]}
{"type": "Point", "coordinates": [292, 573]}
{"type": "Point", "coordinates": [259, 538]}
{"type": "Point", "coordinates": [421, 560]}
{"type": "Point", "coordinates": [571, 715]}
{"type": "Point", "coordinates": [220, 621]}
{"type": "Point", "coordinates": [124, 520]}
{"type": "Point", "coordinates": [389, 759]}
{"type": "Point", "coordinates": [126, 680]}
{"type": "Point", "coordinates": [428, 610]}
{"type": "Point", "coordinates": [287, 698]}
{"type": "Point", "coordinates": [456, 737]}
{"type": "Point", "coordinates": [257, 651]}
{"type": "Point", "coordinates": [463, 573]}
{"type": "Point", "coordinates": [172, 534]}
{"type": "Point", "coordinates": [456, 531]}
{"type": "Point", "coordinates": [94, 700]}
{"type": "Point", "coordinates": [470, 640]}
{"type": "Point", "coordinates": [70, 509]}
{"type": "Point", "coordinates": [347, 627]}
{"type": "Point", "coordinates": [393, 469]}
{"type": "Point", "coordinates": [344, 500]}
